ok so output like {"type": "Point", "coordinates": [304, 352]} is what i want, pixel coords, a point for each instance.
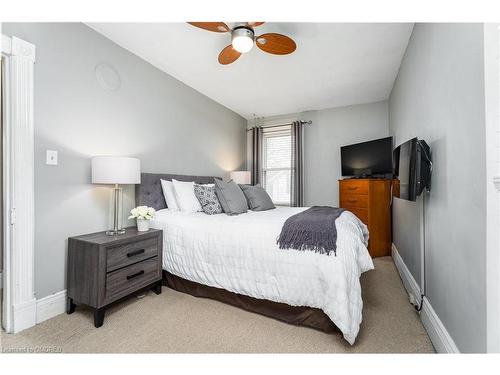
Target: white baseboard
{"type": "Point", "coordinates": [36, 311]}
{"type": "Point", "coordinates": [441, 339]}
{"type": "Point", "coordinates": [50, 306]}
{"type": "Point", "coordinates": [24, 316]}
{"type": "Point", "coordinates": [409, 282]}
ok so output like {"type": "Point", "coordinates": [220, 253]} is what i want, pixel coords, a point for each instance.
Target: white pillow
{"type": "Point", "coordinates": [169, 194]}
{"type": "Point", "coordinates": [186, 199]}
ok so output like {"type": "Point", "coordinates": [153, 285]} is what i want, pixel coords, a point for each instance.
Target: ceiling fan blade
{"type": "Point", "coordinates": [228, 55]}
{"type": "Point", "coordinates": [277, 44]}
{"type": "Point", "coordinates": [255, 24]}
{"type": "Point", "coordinates": [217, 27]}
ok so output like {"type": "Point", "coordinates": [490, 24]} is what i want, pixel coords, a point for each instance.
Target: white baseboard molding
{"type": "Point", "coordinates": [36, 311]}
{"type": "Point", "coordinates": [24, 316]}
{"type": "Point", "coordinates": [441, 339]}
{"type": "Point", "coordinates": [409, 282]}
{"type": "Point", "coordinates": [50, 306]}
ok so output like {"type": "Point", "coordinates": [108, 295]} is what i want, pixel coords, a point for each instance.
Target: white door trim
{"type": "Point", "coordinates": [20, 303]}
{"type": "Point", "coordinates": [492, 120]}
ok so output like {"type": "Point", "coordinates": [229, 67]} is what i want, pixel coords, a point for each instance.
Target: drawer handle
{"type": "Point", "coordinates": [134, 253]}
{"type": "Point", "coordinates": [135, 275]}
{"type": "Point", "coordinates": [352, 187]}
{"type": "Point", "coordinates": [352, 200]}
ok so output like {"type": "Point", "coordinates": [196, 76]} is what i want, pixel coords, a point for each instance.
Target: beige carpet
{"type": "Point", "coordinates": [179, 323]}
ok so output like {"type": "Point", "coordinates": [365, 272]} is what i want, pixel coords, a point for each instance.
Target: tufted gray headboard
{"type": "Point", "coordinates": [149, 192]}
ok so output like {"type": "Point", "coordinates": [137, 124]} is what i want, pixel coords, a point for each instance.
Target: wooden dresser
{"type": "Point", "coordinates": [370, 201]}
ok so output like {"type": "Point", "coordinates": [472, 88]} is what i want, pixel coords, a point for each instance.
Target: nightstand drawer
{"type": "Point", "coordinates": [135, 276]}
{"type": "Point", "coordinates": [124, 255]}
{"type": "Point", "coordinates": [354, 200]}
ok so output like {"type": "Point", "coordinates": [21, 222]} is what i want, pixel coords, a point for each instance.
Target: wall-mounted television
{"type": "Point", "coordinates": [367, 159]}
{"type": "Point", "coordinates": [412, 169]}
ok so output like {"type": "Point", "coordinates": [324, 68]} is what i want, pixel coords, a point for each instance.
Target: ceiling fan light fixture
{"type": "Point", "coordinates": [242, 39]}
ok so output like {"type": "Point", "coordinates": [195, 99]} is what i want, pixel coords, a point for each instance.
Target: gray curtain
{"type": "Point", "coordinates": [297, 180]}
{"type": "Point", "coordinates": [256, 154]}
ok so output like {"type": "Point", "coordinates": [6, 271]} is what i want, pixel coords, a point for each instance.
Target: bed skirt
{"type": "Point", "coordinates": [296, 315]}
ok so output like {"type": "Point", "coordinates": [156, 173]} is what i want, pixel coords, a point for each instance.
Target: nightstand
{"type": "Point", "coordinates": [104, 269]}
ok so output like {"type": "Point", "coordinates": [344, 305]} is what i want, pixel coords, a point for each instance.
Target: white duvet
{"type": "Point", "coordinates": [240, 254]}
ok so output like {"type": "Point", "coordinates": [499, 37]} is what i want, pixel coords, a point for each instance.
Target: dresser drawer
{"type": "Point", "coordinates": [354, 187]}
{"type": "Point", "coordinates": [124, 255]}
{"type": "Point", "coordinates": [354, 200]}
{"type": "Point", "coordinates": [125, 280]}
{"type": "Point", "coordinates": [361, 213]}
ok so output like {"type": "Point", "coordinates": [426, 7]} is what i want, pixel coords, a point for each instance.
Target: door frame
{"type": "Point", "coordinates": [19, 303]}
{"type": "Point", "coordinates": [492, 121]}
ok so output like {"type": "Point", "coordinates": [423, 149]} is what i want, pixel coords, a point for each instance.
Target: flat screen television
{"type": "Point", "coordinates": [412, 169]}
{"type": "Point", "coordinates": [367, 159]}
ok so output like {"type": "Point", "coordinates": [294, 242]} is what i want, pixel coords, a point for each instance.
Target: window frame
{"type": "Point", "coordinates": [280, 131]}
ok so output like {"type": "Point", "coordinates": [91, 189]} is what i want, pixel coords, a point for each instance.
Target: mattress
{"type": "Point", "coordinates": [239, 253]}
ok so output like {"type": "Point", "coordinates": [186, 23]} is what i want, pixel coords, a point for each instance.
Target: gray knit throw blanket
{"type": "Point", "coordinates": [313, 229]}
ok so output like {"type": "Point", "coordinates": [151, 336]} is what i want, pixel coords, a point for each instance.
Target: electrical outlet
{"type": "Point", "coordinates": [51, 157]}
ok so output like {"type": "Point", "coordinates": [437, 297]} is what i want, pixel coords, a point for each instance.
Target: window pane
{"type": "Point", "coordinates": [278, 152]}
{"type": "Point", "coordinates": [277, 184]}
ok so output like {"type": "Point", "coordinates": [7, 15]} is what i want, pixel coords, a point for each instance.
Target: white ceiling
{"type": "Point", "coordinates": [334, 64]}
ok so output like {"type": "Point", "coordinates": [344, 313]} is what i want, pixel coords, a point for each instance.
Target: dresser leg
{"type": "Point", "coordinates": [157, 287]}
{"type": "Point", "coordinates": [99, 317]}
{"type": "Point", "coordinates": [70, 306]}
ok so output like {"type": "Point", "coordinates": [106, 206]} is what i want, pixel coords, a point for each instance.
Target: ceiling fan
{"type": "Point", "coordinates": [243, 38]}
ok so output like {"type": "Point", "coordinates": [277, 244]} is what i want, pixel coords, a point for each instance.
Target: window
{"type": "Point", "coordinates": [277, 163]}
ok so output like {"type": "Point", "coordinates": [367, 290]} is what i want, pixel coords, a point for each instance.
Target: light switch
{"type": "Point", "coordinates": [51, 157]}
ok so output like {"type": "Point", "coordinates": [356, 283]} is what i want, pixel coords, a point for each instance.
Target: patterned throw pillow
{"type": "Point", "coordinates": [208, 199]}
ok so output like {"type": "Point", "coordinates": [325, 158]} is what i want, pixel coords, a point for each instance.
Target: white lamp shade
{"type": "Point", "coordinates": [116, 170]}
{"type": "Point", "coordinates": [241, 177]}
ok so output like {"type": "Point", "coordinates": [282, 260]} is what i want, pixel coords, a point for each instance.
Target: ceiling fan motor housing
{"type": "Point", "coordinates": [242, 31]}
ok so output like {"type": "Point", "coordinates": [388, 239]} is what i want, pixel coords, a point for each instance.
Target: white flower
{"type": "Point", "coordinates": [142, 212]}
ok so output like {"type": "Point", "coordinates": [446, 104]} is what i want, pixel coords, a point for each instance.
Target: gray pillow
{"type": "Point", "coordinates": [257, 197]}
{"type": "Point", "coordinates": [208, 199]}
{"type": "Point", "coordinates": [231, 197]}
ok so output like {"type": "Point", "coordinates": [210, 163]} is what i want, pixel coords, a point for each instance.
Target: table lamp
{"type": "Point", "coordinates": [116, 171]}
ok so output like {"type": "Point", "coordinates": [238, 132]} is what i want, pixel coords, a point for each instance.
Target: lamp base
{"type": "Point", "coordinates": [115, 232]}
{"type": "Point", "coordinates": [117, 212]}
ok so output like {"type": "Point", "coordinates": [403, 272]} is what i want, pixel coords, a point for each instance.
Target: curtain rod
{"type": "Point", "coordinates": [279, 125]}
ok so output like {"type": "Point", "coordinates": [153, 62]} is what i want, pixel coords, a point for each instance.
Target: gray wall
{"type": "Point", "coordinates": [331, 129]}
{"type": "Point", "coordinates": [439, 96]}
{"type": "Point", "coordinates": [168, 125]}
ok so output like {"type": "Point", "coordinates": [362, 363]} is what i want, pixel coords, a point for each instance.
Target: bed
{"type": "Point", "coordinates": [235, 259]}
